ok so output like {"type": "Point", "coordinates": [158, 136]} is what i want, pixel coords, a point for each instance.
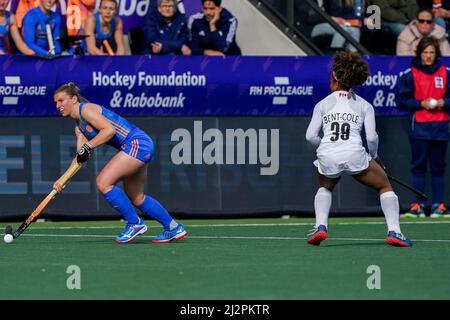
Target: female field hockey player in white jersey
{"type": "Point", "coordinates": [96, 125]}
{"type": "Point", "coordinates": [341, 116]}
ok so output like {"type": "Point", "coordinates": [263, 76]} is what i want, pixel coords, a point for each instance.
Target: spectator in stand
{"type": "Point", "coordinates": [8, 27]}
{"type": "Point", "coordinates": [424, 91]}
{"type": "Point", "coordinates": [34, 29]}
{"type": "Point", "coordinates": [213, 32]}
{"type": "Point", "coordinates": [166, 31]}
{"type": "Point", "coordinates": [105, 30]}
{"type": "Point", "coordinates": [305, 16]}
{"type": "Point", "coordinates": [422, 26]}
{"type": "Point", "coordinates": [441, 10]}
{"type": "Point", "coordinates": [77, 13]}
{"type": "Point", "coordinates": [22, 8]}
{"type": "Point", "coordinates": [396, 14]}
{"type": "Point", "coordinates": [348, 14]}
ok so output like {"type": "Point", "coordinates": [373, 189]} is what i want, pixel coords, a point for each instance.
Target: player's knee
{"type": "Point", "coordinates": [388, 194]}
{"type": "Point", "coordinates": [384, 187]}
{"type": "Point", "coordinates": [327, 186]}
{"type": "Point", "coordinates": [103, 185]}
{"type": "Point", "coordinates": [324, 191]}
{"type": "Point", "coordinates": [137, 200]}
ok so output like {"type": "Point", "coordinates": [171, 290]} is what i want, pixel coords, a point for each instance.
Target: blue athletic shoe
{"type": "Point", "coordinates": [167, 236]}
{"type": "Point", "coordinates": [398, 240]}
{"type": "Point", "coordinates": [439, 210]}
{"type": "Point", "coordinates": [317, 235]}
{"type": "Point", "coordinates": [131, 231]}
{"type": "Point", "coordinates": [416, 210]}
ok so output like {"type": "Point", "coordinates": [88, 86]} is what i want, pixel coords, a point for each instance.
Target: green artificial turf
{"type": "Point", "coordinates": [228, 259]}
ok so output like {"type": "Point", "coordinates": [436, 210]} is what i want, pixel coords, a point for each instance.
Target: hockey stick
{"type": "Point", "coordinates": [44, 203]}
{"type": "Point", "coordinates": [108, 48]}
{"type": "Point", "coordinates": [419, 194]}
{"type": "Point", "coordinates": [51, 44]}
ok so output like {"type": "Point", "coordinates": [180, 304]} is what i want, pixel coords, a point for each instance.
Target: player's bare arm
{"type": "Point", "coordinates": [92, 114]}
{"type": "Point", "coordinates": [90, 41]}
{"type": "Point", "coordinates": [58, 186]}
{"type": "Point", "coordinates": [118, 36]}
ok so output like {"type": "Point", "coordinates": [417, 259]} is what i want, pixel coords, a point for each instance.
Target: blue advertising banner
{"type": "Point", "coordinates": [189, 86]}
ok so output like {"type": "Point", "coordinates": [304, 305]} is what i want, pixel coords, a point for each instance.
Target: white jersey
{"type": "Point", "coordinates": [341, 116]}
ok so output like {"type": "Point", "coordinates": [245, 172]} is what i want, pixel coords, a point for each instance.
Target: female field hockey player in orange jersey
{"type": "Point", "coordinates": [95, 126]}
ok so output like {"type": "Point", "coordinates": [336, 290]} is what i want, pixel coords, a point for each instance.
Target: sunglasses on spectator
{"type": "Point", "coordinates": [425, 21]}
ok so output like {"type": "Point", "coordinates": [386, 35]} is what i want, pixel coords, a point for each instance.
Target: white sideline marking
{"type": "Point", "coordinates": [263, 225]}
{"type": "Point", "coordinates": [224, 237]}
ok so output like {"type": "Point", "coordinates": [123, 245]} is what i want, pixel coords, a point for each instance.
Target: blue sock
{"type": "Point", "coordinates": [154, 209]}
{"type": "Point", "coordinates": [437, 187]}
{"type": "Point", "coordinates": [119, 201]}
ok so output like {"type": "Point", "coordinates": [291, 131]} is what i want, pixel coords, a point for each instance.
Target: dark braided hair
{"type": "Point", "coordinates": [350, 70]}
{"type": "Point", "coordinates": [72, 90]}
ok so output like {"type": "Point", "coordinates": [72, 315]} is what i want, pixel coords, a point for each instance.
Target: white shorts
{"type": "Point", "coordinates": [334, 164]}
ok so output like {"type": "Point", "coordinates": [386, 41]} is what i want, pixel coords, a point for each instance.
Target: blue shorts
{"type": "Point", "coordinates": [139, 145]}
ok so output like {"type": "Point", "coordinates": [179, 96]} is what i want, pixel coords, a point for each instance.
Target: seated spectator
{"type": "Point", "coordinates": [395, 14]}
{"type": "Point", "coordinates": [76, 18]}
{"type": "Point", "coordinates": [305, 16]}
{"type": "Point", "coordinates": [422, 26]}
{"type": "Point", "coordinates": [34, 29]}
{"type": "Point", "coordinates": [105, 31]}
{"type": "Point", "coordinates": [348, 14]}
{"type": "Point", "coordinates": [441, 11]}
{"type": "Point", "coordinates": [213, 32]}
{"type": "Point", "coordinates": [165, 30]}
{"type": "Point", "coordinates": [22, 8]}
{"type": "Point", "coordinates": [8, 27]}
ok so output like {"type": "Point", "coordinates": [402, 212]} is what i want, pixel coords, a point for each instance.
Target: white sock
{"type": "Point", "coordinates": [391, 210]}
{"type": "Point", "coordinates": [322, 205]}
{"type": "Point", "coordinates": [173, 224]}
